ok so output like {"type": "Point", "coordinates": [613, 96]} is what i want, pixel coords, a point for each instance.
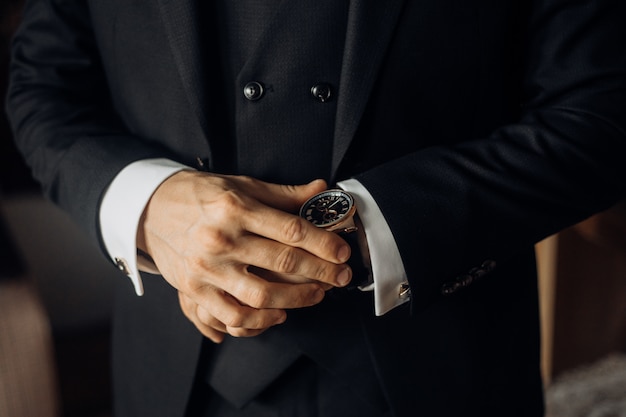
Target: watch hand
{"type": "Point", "coordinates": [336, 201]}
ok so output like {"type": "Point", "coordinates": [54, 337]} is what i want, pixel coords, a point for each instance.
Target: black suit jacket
{"type": "Point", "coordinates": [479, 127]}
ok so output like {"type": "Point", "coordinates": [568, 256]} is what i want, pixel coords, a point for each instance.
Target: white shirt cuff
{"type": "Point", "coordinates": [387, 267]}
{"type": "Point", "coordinates": [121, 209]}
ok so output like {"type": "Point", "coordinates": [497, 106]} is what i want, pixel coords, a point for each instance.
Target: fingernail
{"type": "Point", "coordinates": [343, 254]}
{"type": "Point", "coordinates": [344, 277]}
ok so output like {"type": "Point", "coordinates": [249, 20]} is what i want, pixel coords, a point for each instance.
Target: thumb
{"type": "Point", "coordinates": [287, 197]}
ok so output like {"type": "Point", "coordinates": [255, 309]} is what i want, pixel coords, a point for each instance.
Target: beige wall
{"type": "Point", "coordinates": [583, 292]}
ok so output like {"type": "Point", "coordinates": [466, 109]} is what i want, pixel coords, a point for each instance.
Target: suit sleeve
{"type": "Point", "coordinates": [61, 113]}
{"type": "Point", "coordinates": [487, 199]}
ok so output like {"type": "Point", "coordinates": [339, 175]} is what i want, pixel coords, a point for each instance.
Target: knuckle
{"type": "Point", "coordinates": [287, 260]}
{"type": "Point", "coordinates": [227, 207]}
{"type": "Point", "coordinates": [302, 297]}
{"type": "Point", "coordinates": [217, 241]}
{"type": "Point", "coordinates": [221, 182]}
{"type": "Point", "coordinates": [259, 298]}
{"type": "Point", "coordinates": [246, 180]}
{"type": "Point", "coordinates": [233, 319]}
{"type": "Point", "coordinates": [231, 201]}
{"type": "Point", "coordinates": [321, 272]}
{"type": "Point", "coordinates": [289, 189]}
{"type": "Point", "coordinates": [329, 241]}
{"type": "Point", "coordinates": [193, 265]}
{"type": "Point", "coordinates": [293, 230]}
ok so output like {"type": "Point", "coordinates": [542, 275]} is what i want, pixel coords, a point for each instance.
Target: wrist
{"type": "Point", "coordinates": [359, 260]}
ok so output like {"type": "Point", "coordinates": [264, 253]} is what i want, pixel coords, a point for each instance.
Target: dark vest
{"type": "Point", "coordinates": [281, 62]}
{"type": "Point", "coordinates": [282, 65]}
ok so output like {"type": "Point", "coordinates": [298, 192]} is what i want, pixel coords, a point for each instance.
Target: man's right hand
{"type": "Point", "coordinates": [235, 252]}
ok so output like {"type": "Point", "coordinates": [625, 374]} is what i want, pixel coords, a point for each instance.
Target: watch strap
{"type": "Point", "coordinates": [359, 258]}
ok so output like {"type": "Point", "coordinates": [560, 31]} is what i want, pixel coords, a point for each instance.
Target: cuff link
{"type": "Point", "coordinates": [122, 265]}
{"type": "Point", "coordinates": [405, 291]}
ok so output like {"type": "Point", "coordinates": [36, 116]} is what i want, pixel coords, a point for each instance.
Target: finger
{"type": "Point", "coordinates": [209, 326]}
{"type": "Point", "coordinates": [272, 276]}
{"type": "Point", "coordinates": [214, 285]}
{"type": "Point", "coordinates": [291, 263]}
{"type": "Point", "coordinates": [214, 331]}
{"type": "Point", "coordinates": [291, 230]}
{"type": "Point", "coordinates": [254, 303]}
{"type": "Point", "coordinates": [284, 197]}
{"type": "Point", "coordinates": [206, 319]}
{"type": "Point", "coordinates": [242, 309]}
{"type": "Point", "coordinates": [295, 231]}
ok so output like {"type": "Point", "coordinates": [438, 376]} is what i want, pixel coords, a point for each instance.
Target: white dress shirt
{"type": "Point", "coordinates": [130, 191]}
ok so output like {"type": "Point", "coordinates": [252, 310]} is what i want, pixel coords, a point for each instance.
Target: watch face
{"type": "Point", "coordinates": [327, 208]}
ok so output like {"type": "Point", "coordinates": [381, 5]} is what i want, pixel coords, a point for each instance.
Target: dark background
{"type": "Point", "coordinates": [41, 247]}
{"type": "Point", "coordinates": [14, 176]}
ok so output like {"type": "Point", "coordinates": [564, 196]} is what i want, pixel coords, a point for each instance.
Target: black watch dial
{"type": "Point", "coordinates": [327, 208]}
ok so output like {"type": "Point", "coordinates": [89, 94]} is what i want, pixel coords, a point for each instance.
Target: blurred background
{"type": "Point", "coordinates": [56, 298]}
{"type": "Point", "coordinates": [55, 292]}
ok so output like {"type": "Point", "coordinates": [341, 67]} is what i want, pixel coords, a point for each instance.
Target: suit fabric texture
{"type": "Point", "coordinates": [479, 127]}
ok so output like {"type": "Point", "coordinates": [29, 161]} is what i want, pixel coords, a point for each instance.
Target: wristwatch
{"type": "Point", "coordinates": [335, 211]}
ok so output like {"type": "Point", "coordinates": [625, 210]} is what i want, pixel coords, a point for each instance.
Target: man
{"type": "Point", "coordinates": [466, 131]}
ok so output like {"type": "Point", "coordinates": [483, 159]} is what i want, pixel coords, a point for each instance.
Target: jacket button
{"type": "Point", "coordinates": [488, 265]}
{"type": "Point", "coordinates": [253, 90]}
{"type": "Point", "coordinates": [450, 288]}
{"type": "Point", "coordinates": [322, 92]}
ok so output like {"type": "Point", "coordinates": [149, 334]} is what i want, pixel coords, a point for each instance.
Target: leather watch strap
{"type": "Point", "coordinates": [359, 261]}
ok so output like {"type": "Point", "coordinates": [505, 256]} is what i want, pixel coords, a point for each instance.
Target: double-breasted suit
{"type": "Point", "coordinates": [479, 127]}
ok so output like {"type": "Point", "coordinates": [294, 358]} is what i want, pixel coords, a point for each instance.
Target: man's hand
{"type": "Point", "coordinates": [236, 254]}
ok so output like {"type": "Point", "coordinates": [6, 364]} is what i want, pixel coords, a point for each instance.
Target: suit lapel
{"type": "Point", "coordinates": [370, 27]}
